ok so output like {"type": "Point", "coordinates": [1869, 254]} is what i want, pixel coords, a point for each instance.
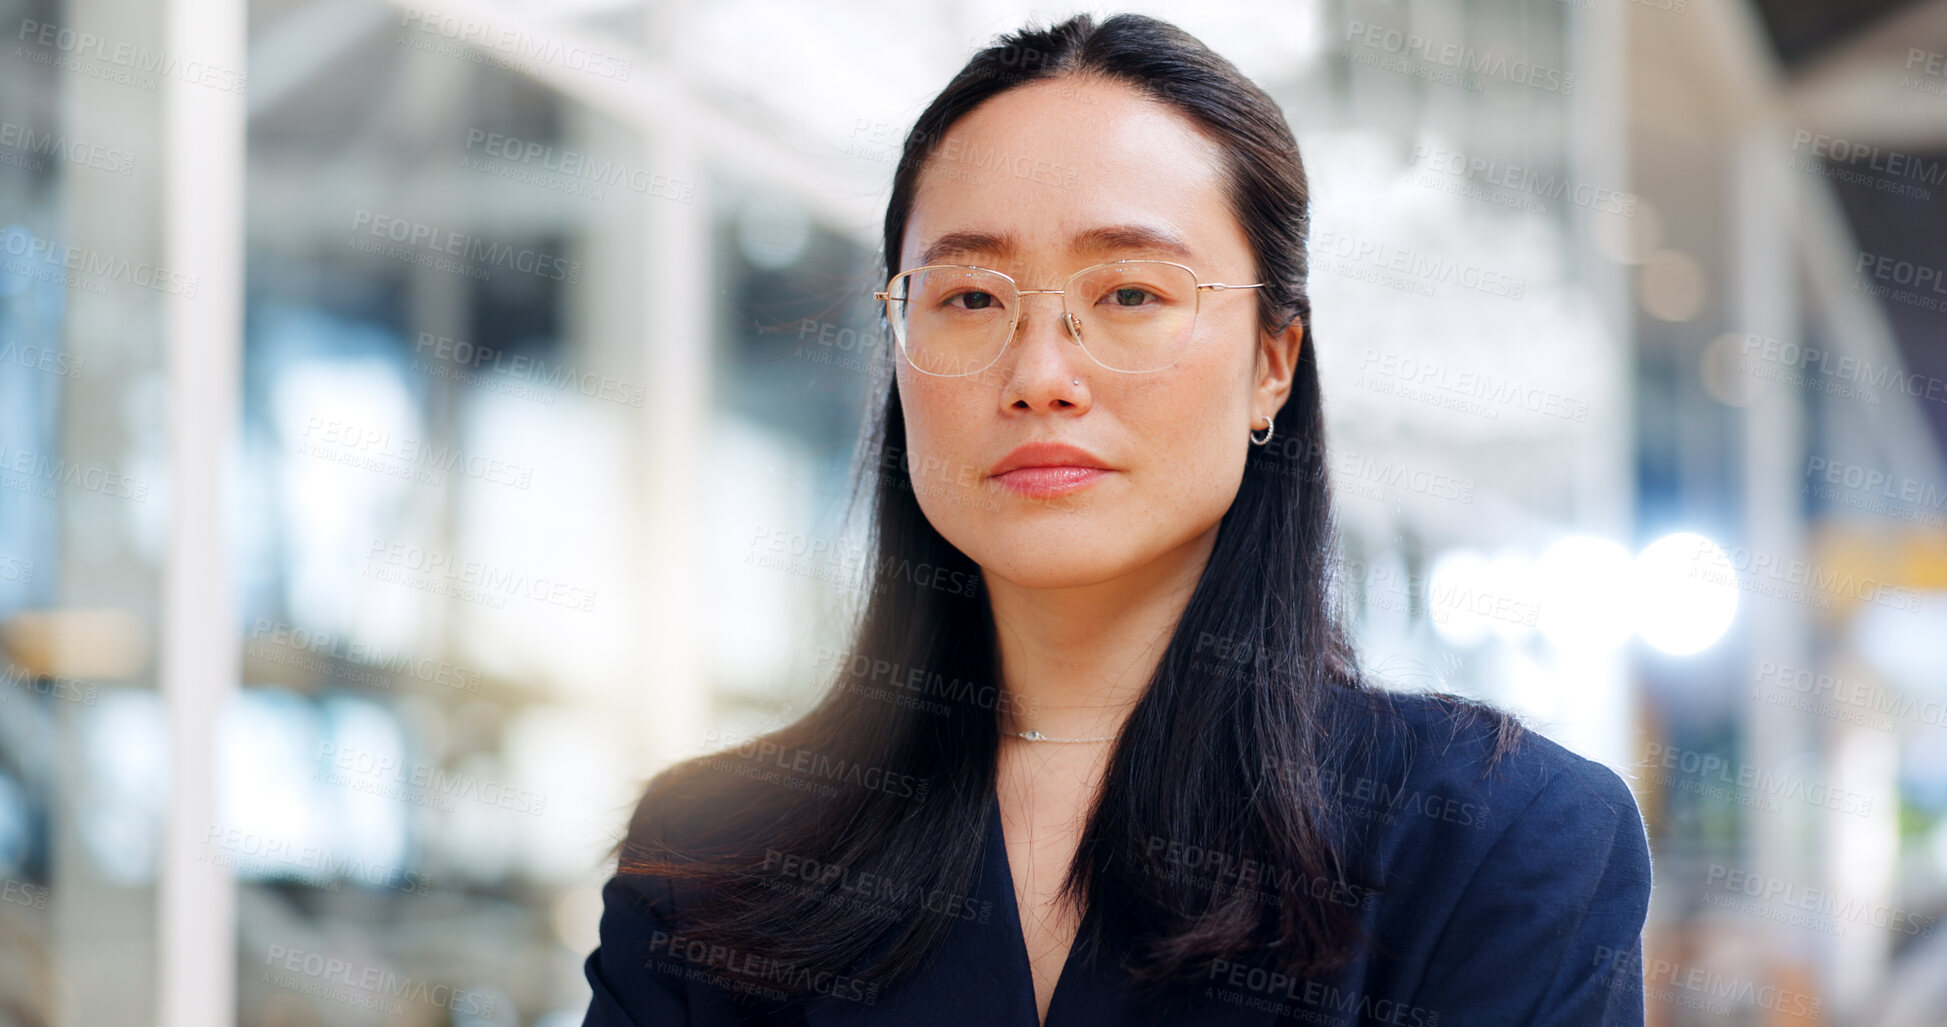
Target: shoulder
{"type": "Point", "coordinates": [691, 813]}
{"type": "Point", "coordinates": [647, 967]}
{"type": "Point", "coordinates": [1513, 874]}
{"type": "Point", "coordinates": [1438, 773]}
{"type": "Point", "coordinates": [632, 974]}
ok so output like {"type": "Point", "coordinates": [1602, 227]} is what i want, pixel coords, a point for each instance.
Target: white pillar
{"type": "Point", "coordinates": [1777, 738]}
{"type": "Point", "coordinates": [677, 346]}
{"type": "Point", "coordinates": [202, 212]}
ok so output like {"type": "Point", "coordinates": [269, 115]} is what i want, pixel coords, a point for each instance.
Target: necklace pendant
{"type": "Point", "coordinates": [1033, 735]}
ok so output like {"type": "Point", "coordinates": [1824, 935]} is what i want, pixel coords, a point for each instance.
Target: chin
{"type": "Point", "coordinates": [1073, 574]}
{"type": "Point", "coordinates": [1043, 558]}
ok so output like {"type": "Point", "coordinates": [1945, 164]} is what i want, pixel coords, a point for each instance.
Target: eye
{"type": "Point", "coordinates": [976, 300]}
{"type": "Point", "coordinates": [1130, 296]}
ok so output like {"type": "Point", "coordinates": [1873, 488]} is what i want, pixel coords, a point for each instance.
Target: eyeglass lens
{"type": "Point", "coordinates": [1129, 316]}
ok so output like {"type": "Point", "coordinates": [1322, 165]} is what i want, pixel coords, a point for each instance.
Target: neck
{"type": "Point", "coordinates": [1076, 659]}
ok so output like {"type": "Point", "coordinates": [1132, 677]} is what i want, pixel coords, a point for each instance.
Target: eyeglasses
{"type": "Point", "coordinates": [1134, 316]}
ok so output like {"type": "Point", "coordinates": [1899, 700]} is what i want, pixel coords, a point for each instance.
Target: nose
{"type": "Point", "coordinates": [1068, 321]}
{"type": "Point", "coordinates": [1046, 360]}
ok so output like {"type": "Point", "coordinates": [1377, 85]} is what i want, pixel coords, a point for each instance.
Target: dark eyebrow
{"type": "Point", "coordinates": [1091, 241]}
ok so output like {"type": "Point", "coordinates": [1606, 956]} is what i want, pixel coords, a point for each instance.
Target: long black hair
{"type": "Point", "coordinates": [890, 777]}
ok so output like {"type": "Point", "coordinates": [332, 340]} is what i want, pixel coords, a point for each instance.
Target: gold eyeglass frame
{"type": "Point", "coordinates": [1068, 319]}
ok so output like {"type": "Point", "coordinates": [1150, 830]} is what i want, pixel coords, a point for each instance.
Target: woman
{"type": "Point", "coordinates": [1100, 754]}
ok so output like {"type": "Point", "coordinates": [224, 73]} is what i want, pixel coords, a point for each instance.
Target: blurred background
{"type": "Point", "coordinates": [420, 422]}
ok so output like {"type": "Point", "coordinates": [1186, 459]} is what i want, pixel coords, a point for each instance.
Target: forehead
{"type": "Point", "coordinates": [1068, 169]}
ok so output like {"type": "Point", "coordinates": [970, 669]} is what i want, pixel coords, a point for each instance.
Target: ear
{"type": "Point", "coordinates": [1277, 362]}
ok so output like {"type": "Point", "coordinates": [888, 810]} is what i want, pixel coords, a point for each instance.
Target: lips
{"type": "Point", "coordinates": [1047, 454]}
{"type": "Point", "coordinates": [1049, 468]}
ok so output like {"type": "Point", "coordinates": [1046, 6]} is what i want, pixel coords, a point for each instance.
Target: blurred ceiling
{"type": "Point", "coordinates": [1800, 30]}
{"type": "Point", "coordinates": [1870, 75]}
{"type": "Point", "coordinates": [1871, 72]}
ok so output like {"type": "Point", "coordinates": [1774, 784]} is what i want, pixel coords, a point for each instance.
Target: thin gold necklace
{"type": "Point", "coordinates": [1036, 736]}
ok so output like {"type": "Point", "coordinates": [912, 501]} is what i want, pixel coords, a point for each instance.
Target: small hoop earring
{"type": "Point", "coordinates": [1270, 429]}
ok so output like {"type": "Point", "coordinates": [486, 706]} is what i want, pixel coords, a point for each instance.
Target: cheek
{"type": "Point", "coordinates": [1194, 457]}
{"type": "Point", "coordinates": [937, 454]}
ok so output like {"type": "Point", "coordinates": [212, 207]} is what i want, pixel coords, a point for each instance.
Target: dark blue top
{"type": "Point", "coordinates": [1510, 892]}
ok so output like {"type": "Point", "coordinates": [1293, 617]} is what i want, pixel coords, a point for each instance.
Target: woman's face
{"type": "Point", "coordinates": [1037, 167]}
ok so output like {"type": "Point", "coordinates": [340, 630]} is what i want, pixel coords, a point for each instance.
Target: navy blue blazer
{"type": "Point", "coordinates": [1511, 895]}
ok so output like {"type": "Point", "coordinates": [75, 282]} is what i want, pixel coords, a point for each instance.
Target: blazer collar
{"type": "Point", "coordinates": [980, 975]}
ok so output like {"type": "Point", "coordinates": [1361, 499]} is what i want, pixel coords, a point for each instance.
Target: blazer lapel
{"type": "Point", "coordinates": [980, 975]}
{"type": "Point", "coordinates": [1095, 993]}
